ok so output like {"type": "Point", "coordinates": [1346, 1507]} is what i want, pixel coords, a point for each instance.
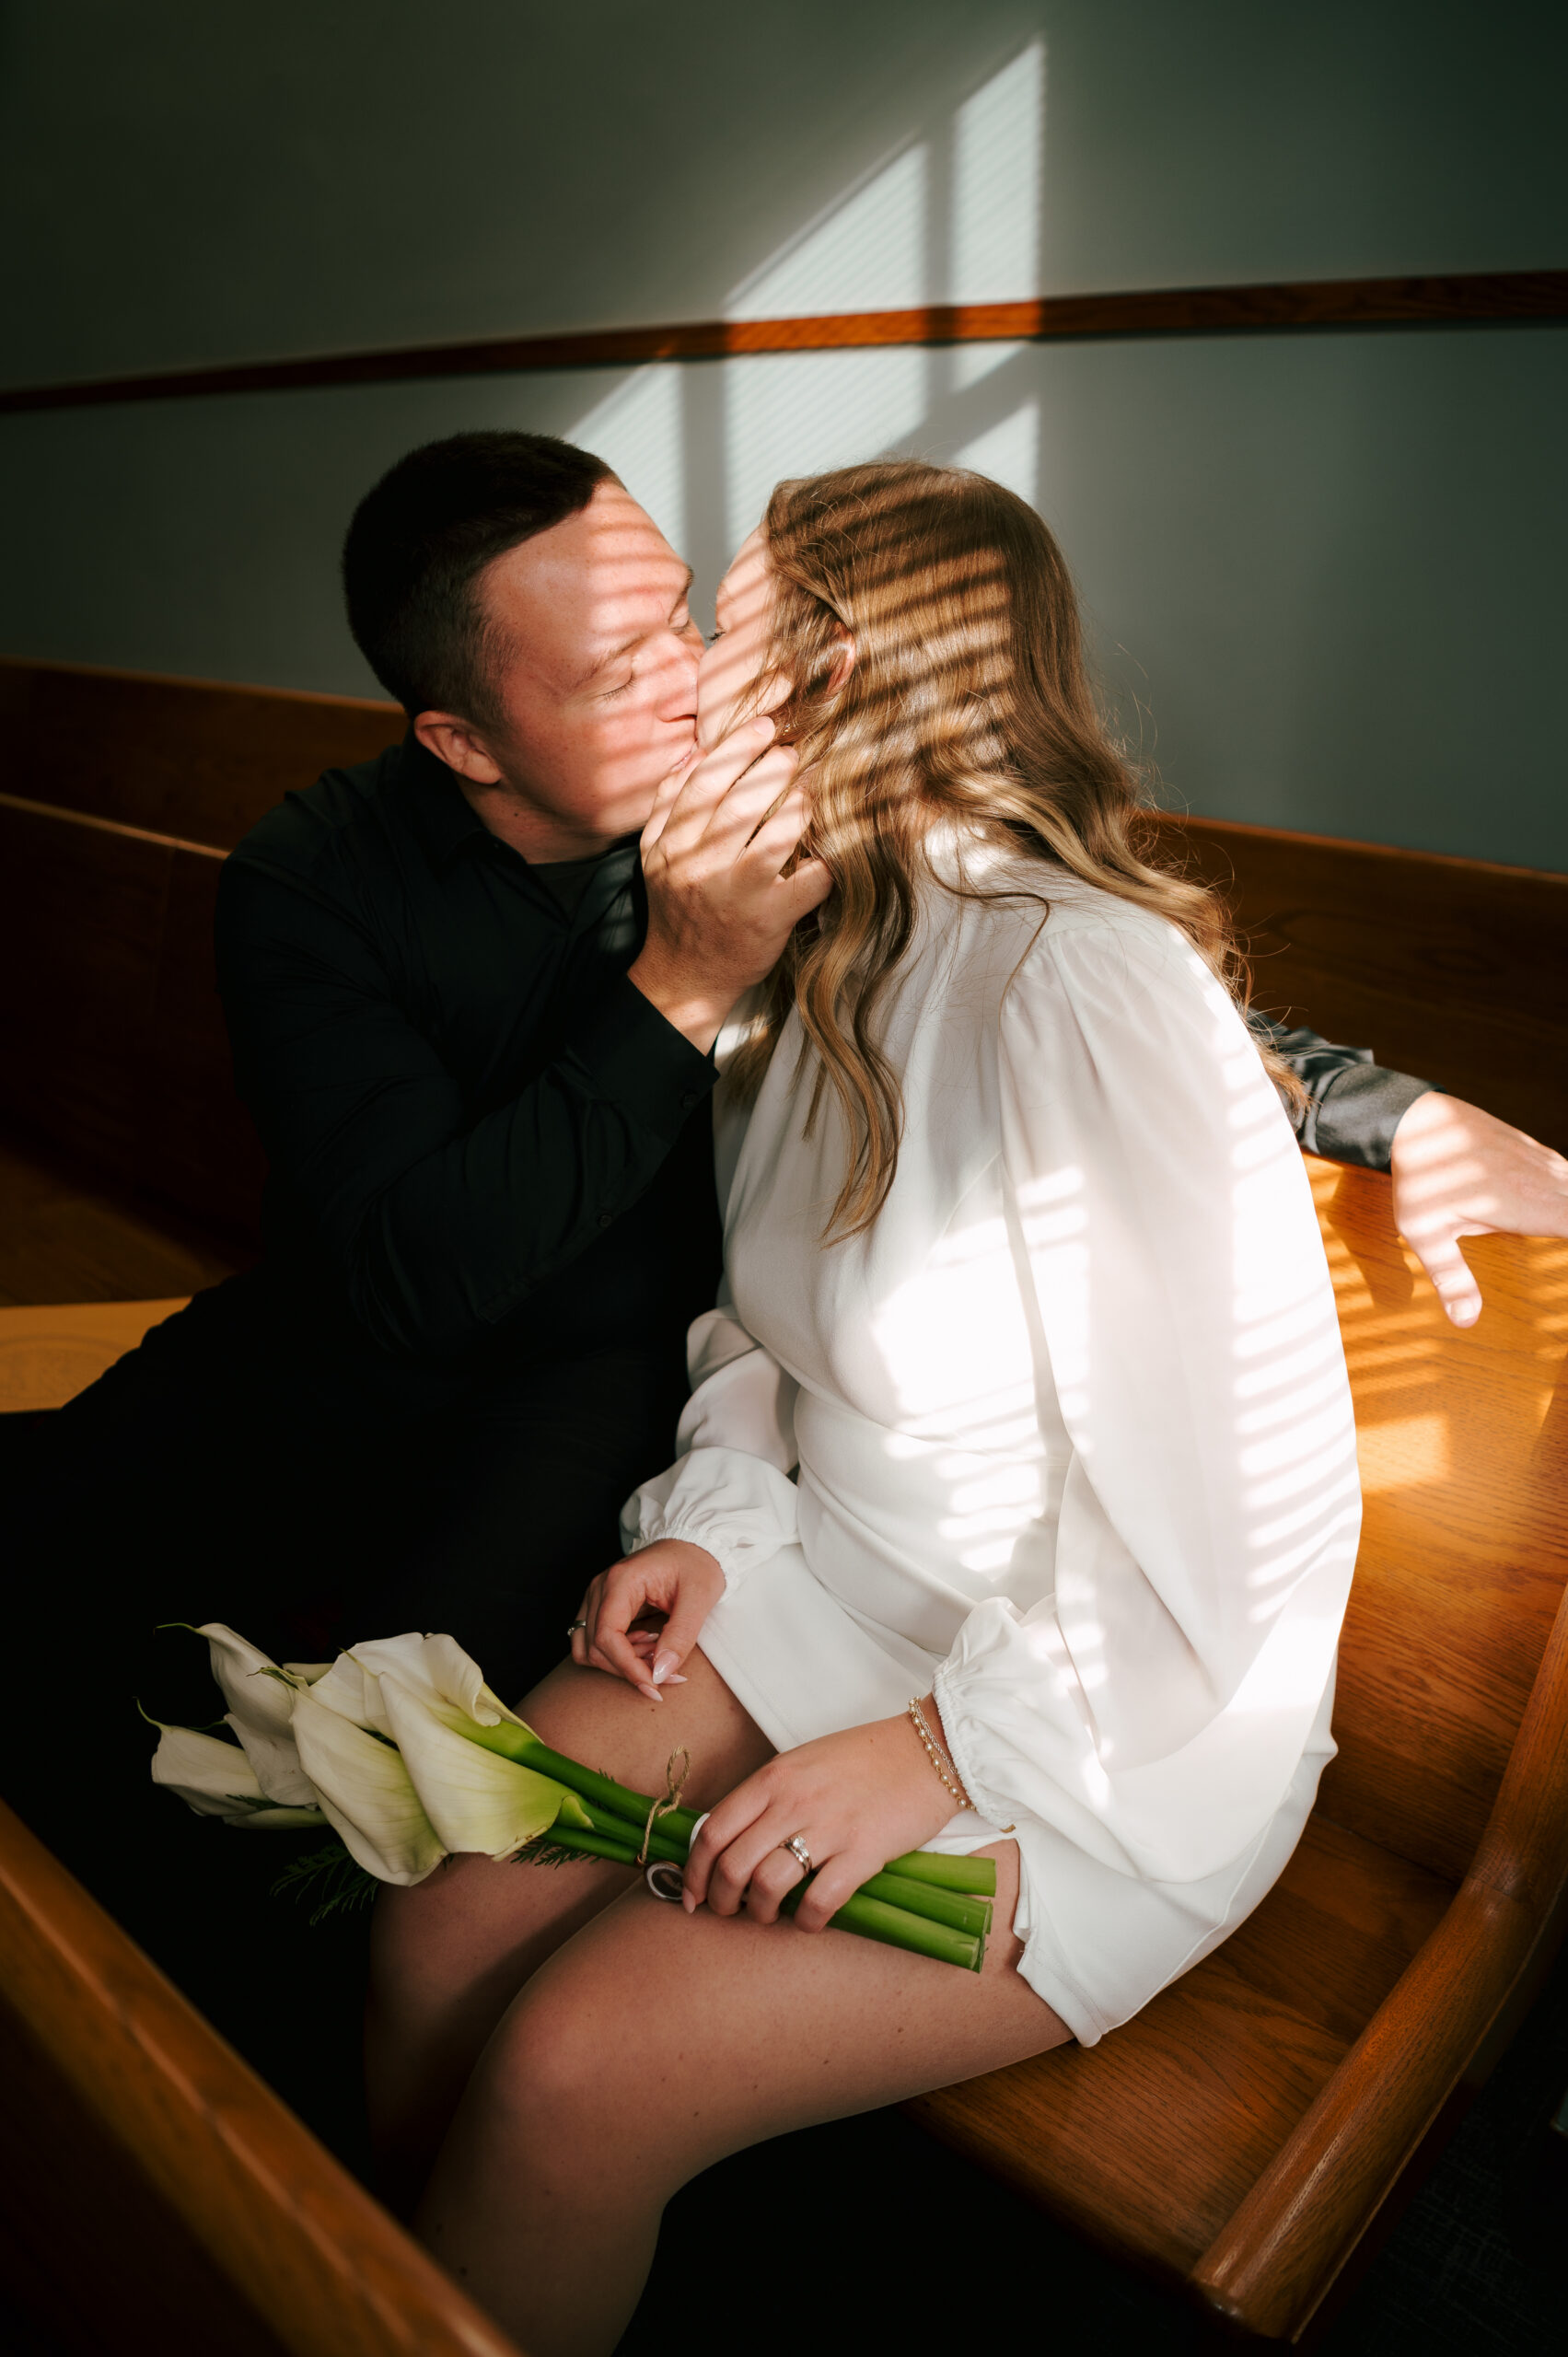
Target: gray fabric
{"type": "Point", "coordinates": [1352, 1106]}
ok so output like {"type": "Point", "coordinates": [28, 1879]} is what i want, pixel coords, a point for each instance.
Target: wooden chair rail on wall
{"type": "Point", "coordinates": [1476, 298]}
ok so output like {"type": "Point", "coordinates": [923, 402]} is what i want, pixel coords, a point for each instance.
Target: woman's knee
{"type": "Point", "coordinates": [557, 2080]}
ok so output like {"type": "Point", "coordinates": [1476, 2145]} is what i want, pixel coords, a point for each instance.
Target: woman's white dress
{"type": "Point", "coordinates": [1071, 1423]}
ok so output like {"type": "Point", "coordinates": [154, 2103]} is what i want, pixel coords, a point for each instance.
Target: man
{"type": "Point", "coordinates": [474, 1030]}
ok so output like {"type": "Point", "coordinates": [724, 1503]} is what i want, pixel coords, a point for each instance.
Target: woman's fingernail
{"type": "Point", "coordinates": [675, 1678]}
{"type": "Point", "coordinates": [663, 1665]}
{"type": "Point", "coordinates": [687, 1903]}
{"type": "Point", "coordinates": [651, 1692]}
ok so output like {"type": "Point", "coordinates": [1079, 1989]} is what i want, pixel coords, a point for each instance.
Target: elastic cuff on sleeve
{"type": "Point", "coordinates": [729, 1562]}
{"type": "Point", "coordinates": [629, 1054]}
{"type": "Point", "coordinates": [1359, 1112]}
{"type": "Point", "coordinates": [984, 1804]}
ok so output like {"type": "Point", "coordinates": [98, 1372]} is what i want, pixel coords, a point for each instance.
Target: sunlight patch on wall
{"type": "Point", "coordinates": [867, 253]}
{"type": "Point", "coordinates": [637, 430]}
{"type": "Point", "coordinates": [998, 152]}
{"type": "Point", "coordinates": [792, 413]}
{"type": "Point", "coordinates": [952, 215]}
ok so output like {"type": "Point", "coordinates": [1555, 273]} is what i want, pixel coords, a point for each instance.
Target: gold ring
{"type": "Point", "coordinates": [798, 1851]}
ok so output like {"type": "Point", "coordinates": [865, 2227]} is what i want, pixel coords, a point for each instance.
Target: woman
{"type": "Point", "coordinates": [1025, 1400]}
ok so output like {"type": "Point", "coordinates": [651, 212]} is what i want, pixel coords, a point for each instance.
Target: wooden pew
{"type": "Point", "coordinates": [120, 796]}
{"type": "Point", "coordinates": [1240, 2136]}
{"type": "Point", "coordinates": [120, 793]}
{"type": "Point", "coordinates": [155, 2195]}
{"type": "Point", "coordinates": [1449, 968]}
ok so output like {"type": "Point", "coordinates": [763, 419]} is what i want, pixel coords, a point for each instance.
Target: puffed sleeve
{"type": "Point", "coordinates": [1155, 1704]}
{"type": "Point", "coordinates": [729, 1489]}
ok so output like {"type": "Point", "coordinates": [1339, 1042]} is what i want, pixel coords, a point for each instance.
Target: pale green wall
{"type": "Point", "coordinates": [1324, 573]}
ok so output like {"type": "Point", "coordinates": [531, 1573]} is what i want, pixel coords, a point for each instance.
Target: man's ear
{"type": "Point", "coordinates": [459, 744]}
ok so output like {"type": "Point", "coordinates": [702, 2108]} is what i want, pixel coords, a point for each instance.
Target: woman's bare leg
{"type": "Point", "coordinates": [654, 2043]}
{"type": "Point", "coordinates": [447, 1958]}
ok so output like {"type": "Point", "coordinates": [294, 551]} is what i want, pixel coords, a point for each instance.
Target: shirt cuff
{"type": "Point", "coordinates": [629, 1053]}
{"type": "Point", "coordinates": [1360, 1109]}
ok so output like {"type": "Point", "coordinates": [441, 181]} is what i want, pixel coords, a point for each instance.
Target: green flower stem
{"type": "Point", "coordinates": [972, 1874]}
{"type": "Point", "coordinates": [619, 1829]}
{"type": "Point", "coordinates": [589, 1845]}
{"type": "Point", "coordinates": [959, 1913]}
{"type": "Point", "coordinates": [874, 1920]}
{"type": "Point", "coordinates": [520, 1743]}
{"type": "Point", "coordinates": [881, 1911]}
{"type": "Point", "coordinates": [975, 1876]}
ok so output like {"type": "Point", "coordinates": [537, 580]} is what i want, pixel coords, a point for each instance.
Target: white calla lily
{"type": "Point", "coordinates": [435, 1668]}
{"type": "Point", "coordinates": [474, 1798]}
{"type": "Point", "coordinates": [216, 1779]}
{"type": "Point", "coordinates": [366, 1792]}
{"type": "Point", "coordinates": [261, 1700]}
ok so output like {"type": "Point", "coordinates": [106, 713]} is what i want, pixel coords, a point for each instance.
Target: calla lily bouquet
{"type": "Point", "coordinates": [401, 1749]}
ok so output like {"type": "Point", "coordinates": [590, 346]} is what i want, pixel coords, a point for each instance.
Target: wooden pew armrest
{"type": "Point", "coordinates": [300, 2243]}
{"type": "Point", "coordinates": [1268, 2270]}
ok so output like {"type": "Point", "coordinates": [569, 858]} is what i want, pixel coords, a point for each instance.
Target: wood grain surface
{"type": "Point", "coordinates": [65, 1237]}
{"type": "Point", "coordinates": [50, 1353]}
{"type": "Point", "coordinates": [194, 759]}
{"type": "Point", "coordinates": [167, 2197]}
{"type": "Point", "coordinates": [1475, 297]}
{"type": "Point", "coordinates": [1454, 968]}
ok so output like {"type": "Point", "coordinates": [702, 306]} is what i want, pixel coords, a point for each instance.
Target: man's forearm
{"type": "Point", "coordinates": [1352, 1106]}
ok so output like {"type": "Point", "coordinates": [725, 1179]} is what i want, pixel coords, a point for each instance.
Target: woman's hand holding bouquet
{"type": "Point", "coordinates": [850, 1800]}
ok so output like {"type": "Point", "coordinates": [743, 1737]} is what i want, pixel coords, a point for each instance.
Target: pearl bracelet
{"type": "Point", "coordinates": [935, 1754]}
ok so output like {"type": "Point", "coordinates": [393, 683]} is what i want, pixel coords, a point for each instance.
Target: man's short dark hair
{"type": "Point", "coordinates": [419, 542]}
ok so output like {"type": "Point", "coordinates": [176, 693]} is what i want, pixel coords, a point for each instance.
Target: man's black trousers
{"type": "Point", "coordinates": [220, 1472]}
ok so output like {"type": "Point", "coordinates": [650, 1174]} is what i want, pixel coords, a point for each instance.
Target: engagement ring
{"type": "Point", "coordinates": [798, 1851]}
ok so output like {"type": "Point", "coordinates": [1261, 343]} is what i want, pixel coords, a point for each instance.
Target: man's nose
{"type": "Point", "coordinates": [678, 699]}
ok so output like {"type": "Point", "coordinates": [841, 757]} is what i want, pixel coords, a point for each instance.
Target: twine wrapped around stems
{"type": "Point", "coordinates": [674, 1786]}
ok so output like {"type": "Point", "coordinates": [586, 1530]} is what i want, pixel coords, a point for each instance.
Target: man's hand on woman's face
{"type": "Point", "coordinates": [1459, 1171]}
{"type": "Point", "coordinates": [720, 909]}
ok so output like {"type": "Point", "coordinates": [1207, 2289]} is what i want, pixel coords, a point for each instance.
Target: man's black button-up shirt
{"type": "Point", "coordinates": [484, 1143]}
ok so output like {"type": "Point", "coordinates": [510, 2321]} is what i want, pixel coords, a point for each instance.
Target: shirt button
{"type": "Point", "coordinates": [688, 1098]}
{"type": "Point", "coordinates": [606, 1219]}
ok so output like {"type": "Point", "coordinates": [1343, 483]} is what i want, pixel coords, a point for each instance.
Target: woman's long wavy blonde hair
{"type": "Point", "coordinates": [968, 697]}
